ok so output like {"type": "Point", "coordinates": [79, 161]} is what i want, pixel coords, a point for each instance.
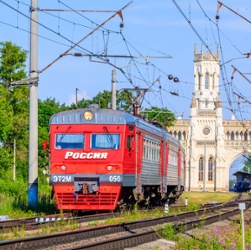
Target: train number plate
{"type": "Point", "coordinates": [61, 178]}
{"type": "Point", "coordinates": [114, 178]}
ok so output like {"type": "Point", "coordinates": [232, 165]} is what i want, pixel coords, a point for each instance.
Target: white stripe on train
{"type": "Point", "coordinates": [83, 155]}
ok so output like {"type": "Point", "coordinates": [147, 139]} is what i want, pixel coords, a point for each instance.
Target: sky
{"type": "Point", "coordinates": [159, 35]}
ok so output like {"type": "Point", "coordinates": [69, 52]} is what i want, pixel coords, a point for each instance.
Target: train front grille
{"type": "Point", "coordinates": [99, 201]}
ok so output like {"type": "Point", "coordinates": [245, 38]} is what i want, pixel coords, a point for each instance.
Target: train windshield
{"type": "Point", "coordinates": [69, 141]}
{"type": "Point", "coordinates": [105, 141]}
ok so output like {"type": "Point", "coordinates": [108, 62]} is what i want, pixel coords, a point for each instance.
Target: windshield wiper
{"type": "Point", "coordinates": [110, 139]}
{"type": "Point", "coordinates": [63, 135]}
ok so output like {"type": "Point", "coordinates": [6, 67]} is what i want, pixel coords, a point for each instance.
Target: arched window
{"type": "Point", "coordinates": [184, 135]}
{"type": "Point", "coordinates": [246, 136]}
{"type": "Point", "coordinates": [179, 136]}
{"type": "Point", "coordinates": [207, 81]}
{"type": "Point", "coordinates": [241, 136]}
{"type": "Point", "coordinates": [213, 80]}
{"type": "Point", "coordinates": [210, 168]}
{"type": "Point", "coordinates": [228, 136]}
{"type": "Point", "coordinates": [232, 136]}
{"type": "Point", "coordinates": [236, 136]}
{"type": "Point", "coordinates": [201, 169]}
{"type": "Point", "coordinates": [199, 81]}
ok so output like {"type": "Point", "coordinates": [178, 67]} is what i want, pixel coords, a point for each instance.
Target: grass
{"type": "Point", "coordinates": [16, 207]}
{"type": "Point", "coordinates": [215, 240]}
{"type": "Point", "coordinates": [198, 198]}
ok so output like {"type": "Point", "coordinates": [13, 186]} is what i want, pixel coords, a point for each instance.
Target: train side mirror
{"type": "Point", "coordinates": [45, 146]}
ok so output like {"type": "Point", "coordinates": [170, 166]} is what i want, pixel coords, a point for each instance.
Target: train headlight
{"type": "Point", "coordinates": [88, 115]}
{"type": "Point", "coordinates": [109, 168]}
{"type": "Point", "coordinates": [63, 167]}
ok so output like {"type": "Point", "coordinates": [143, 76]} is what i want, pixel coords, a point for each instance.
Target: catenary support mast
{"type": "Point", "coordinates": [33, 122]}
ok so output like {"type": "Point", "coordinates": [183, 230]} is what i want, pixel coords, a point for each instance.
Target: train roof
{"type": "Point", "coordinates": [100, 116]}
{"type": "Point", "coordinates": [107, 116]}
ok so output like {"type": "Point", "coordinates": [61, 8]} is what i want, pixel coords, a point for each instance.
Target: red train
{"type": "Point", "coordinates": [102, 159]}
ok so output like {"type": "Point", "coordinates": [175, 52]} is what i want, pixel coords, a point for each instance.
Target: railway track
{"type": "Point", "coordinates": [35, 223]}
{"type": "Point", "coordinates": [120, 236]}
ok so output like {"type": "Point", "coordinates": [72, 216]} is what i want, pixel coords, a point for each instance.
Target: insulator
{"type": "Point", "coordinates": [217, 17]}
{"type": "Point", "coordinates": [176, 79]}
{"type": "Point", "coordinates": [170, 77]}
{"type": "Point", "coordinates": [78, 54]}
{"type": "Point", "coordinates": [121, 25]}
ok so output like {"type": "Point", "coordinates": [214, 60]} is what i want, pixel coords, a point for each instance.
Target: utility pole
{"type": "Point", "coordinates": [216, 156]}
{"type": "Point", "coordinates": [14, 161]}
{"type": "Point", "coordinates": [114, 106]}
{"type": "Point", "coordinates": [190, 158]}
{"type": "Point", "coordinates": [33, 121]}
{"type": "Point", "coordinates": [76, 97]}
{"type": "Point", "coordinates": [204, 167]}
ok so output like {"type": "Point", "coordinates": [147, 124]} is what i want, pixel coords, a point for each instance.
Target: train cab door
{"type": "Point", "coordinates": [129, 153]}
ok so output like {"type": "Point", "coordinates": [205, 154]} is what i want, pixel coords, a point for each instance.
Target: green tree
{"type": "Point", "coordinates": [247, 164]}
{"type": "Point", "coordinates": [6, 128]}
{"type": "Point", "coordinates": [81, 104]}
{"type": "Point", "coordinates": [161, 115]}
{"type": "Point", "coordinates": [45, 110]}
{"type": "Point", "coordinates": [12, 68]}
{"type": "Point", "coordinates": [104, 99]}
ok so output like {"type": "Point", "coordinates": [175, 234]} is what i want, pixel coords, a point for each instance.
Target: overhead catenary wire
{"type": "Point", "coordinates": [80, 48]}
{"type": "Point", "coordinates": [132, 73]}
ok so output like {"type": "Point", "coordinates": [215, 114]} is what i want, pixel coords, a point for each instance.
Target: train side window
{"type": "Point", "coordinates": [69, 141]}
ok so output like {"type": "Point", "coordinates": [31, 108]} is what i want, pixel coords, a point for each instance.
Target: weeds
{"type": "Point", "coordinates": [93, 223]}
{"type": "Point", "coordinates": [216, 240]}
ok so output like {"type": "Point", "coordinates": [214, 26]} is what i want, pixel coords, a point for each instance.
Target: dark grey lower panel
{"type": "Point", "coordinates": [129, 181]}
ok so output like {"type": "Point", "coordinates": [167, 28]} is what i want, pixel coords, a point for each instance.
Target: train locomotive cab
{"type": "Point", "coordinates": [85, 162]}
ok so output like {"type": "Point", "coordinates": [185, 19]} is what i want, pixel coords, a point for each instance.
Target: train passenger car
{"type": "Point", "coordinates": [103, 159]}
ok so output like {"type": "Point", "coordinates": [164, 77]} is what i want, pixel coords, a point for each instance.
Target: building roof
{"type": "Point", "coordinates": [242, 173]}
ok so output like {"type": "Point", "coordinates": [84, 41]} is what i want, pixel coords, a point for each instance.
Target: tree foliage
{"type": "Point", "coordinates": [14, 104]}
{"type": "Point", "coordinates": [45, 110]}
{"type": "Point", "coordinates": [161, 115]}
{"type": "Point", "coordinates": [247, 164]}
{"type": "Point", "coordinates": [12, 67]}
{"type": "Point", "coordinates": [104, 100]}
